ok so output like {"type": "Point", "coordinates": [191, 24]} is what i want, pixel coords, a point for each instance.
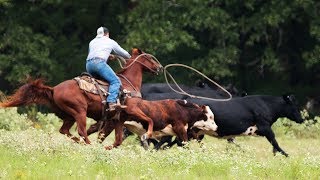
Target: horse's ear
{"type": "Point", "coordinates": [136, 51]}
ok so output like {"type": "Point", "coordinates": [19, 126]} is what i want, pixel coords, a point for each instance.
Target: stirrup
{"type": "Point", "coordinates": [116, 107]}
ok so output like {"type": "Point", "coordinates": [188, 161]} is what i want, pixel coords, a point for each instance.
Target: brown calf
{"type": "Point", "coordinates": [170, 117]}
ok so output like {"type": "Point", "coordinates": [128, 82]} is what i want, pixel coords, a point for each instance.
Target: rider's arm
{"type": "Point", "coordinates": [120, 51]}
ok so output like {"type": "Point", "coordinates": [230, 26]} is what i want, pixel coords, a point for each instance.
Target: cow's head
{"type": "Point", "coordinates": [206, 125]}
{"type": "Point", "coordinates": [291, 110]}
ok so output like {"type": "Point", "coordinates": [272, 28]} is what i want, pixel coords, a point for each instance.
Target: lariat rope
{"type": "Point", "coordinates": [135, 60]}
{"type": "Point", "coordinates": [166, 72]}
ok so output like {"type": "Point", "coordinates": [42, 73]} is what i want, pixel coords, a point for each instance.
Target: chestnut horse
{"type": "Point", "coordinates": [72, 104]}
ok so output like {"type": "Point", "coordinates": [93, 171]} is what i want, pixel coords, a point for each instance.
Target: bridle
{"type": "Point", "coordinates": [154, 60]}
{"type": "Point", "coordinates": [150, 58]}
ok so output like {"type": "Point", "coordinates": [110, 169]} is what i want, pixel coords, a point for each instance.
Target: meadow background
{"type": "Point", "coordinates": [260, 47]}
{"type": "Point", "coordinates": [32, 148]}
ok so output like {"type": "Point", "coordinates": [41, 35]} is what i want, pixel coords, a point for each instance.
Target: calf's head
{"type": "Point", "coordinates": [207, 124]}
{"type": "Point", "coordinates": [291, 110]}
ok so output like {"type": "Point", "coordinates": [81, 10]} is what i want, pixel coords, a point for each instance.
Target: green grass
{"type": "Point", "coordinates": [35, 150]}
{"type": "Point", "coordinates": [35, 154]}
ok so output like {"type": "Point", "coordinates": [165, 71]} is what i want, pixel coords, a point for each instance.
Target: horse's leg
{"type": "Point", "coordinates": [107, 127]}
{"type": "Point", "coordinates": [81, 119]}
{"type": "Point", "coordinates": [118, 135]}
{"type": "Point", "coordinates": [94, 128]}
{"type": "Point", "coordinates": [65, 128]}
{"type": "Point", "coordinates": [74, 104]}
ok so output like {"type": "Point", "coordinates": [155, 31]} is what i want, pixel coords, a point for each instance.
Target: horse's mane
{"type": "Point", "coordinates": [123, 69]}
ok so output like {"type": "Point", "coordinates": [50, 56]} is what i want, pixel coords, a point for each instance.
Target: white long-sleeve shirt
{"type": "Point", "coordinates": [101, 47]}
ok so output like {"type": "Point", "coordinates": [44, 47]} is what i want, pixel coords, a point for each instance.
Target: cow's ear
{"type": "Point", "coordinates": [288, 98]}
{"type": "Point", "coordinates": [204, 109]}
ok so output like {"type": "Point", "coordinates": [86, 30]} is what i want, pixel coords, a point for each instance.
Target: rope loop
{"type": "Point", "coordinates": [181, 91]}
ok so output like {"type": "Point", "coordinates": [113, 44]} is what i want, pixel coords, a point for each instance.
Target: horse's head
{"type": "Point", "coordinates": [148, 62]}
{"type": "Point", "coordinates": [291, 109]}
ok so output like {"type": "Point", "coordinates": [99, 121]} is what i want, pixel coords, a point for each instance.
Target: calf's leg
{"type": "Point", "coordinates": [181, 132]}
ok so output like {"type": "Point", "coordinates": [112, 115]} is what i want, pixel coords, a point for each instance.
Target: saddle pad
{"type": "Point", "coordinates": [90, 87]}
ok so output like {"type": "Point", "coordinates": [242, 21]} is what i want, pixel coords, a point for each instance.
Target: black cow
{"type": "Point", "coordinates": [160, 91]}
{"type": "Point", "coordinates": [251, 115]}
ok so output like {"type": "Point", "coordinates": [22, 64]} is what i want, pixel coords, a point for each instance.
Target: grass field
{"type": "Point", "coordinates": [38, 151]}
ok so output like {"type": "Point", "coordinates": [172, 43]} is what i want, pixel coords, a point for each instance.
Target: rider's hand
{"type": "Point", "coordinates": [112, 57]}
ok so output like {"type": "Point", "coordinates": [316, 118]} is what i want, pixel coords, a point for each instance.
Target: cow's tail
{"type": "Point", "coordinates": [34, 92]}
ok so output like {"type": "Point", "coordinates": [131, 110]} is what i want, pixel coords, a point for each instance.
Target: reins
{"type": "Point", "coordinates": [121, 59]}
{"type": "Point", "coordinates": [135, 60]}
{"type": "Point", "coordinates": [185, 93]}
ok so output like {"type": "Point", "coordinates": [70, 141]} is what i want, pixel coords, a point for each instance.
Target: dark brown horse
{"type": "Point", "coordinates": [72, 104]}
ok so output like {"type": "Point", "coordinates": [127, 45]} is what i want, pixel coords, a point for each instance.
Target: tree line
{"type": "Point", "coordinates": [262, 47]}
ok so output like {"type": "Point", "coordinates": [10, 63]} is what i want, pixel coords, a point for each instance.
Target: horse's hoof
{"type": "Point", "coordinates": [145, 144]}
{"type": "Point", "coordinates": [144, 137]}
{"type": "Point", "coordinates": [108, 147]}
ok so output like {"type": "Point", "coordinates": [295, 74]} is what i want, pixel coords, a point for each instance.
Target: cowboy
{"type": "Point", "coordinates": [99, 52]}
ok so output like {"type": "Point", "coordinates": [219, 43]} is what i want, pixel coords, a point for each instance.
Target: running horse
{"type": "Point", "coordinates": [74, 105]}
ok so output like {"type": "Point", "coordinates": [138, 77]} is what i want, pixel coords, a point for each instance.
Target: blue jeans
{"type": "Point", "coordinates": [99, 67]}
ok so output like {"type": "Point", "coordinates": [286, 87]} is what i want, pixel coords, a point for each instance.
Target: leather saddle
{"type": "Point", "coordinates": [93, 85]}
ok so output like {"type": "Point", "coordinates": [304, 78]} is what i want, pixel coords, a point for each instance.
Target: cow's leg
{"type": "Point", "coordinates": [154, 142]}
{"type": "Point", "coordinates": [126, 133]}
{"type": "Point", "coordinates": [177, 141]}
{"type": "Point", "coordinates": [164, 139]}
{"type": "Point", "coordinates": [118, 135]}
{"type": "Point", "coordinates": [200, 137]}
{"type": "Point", "coordinates": [269, 134]}
{"type": "Point", "coordinates": [232, 141]}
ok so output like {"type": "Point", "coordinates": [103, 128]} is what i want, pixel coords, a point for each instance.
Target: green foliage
{"type": "Point", "coordinates": [231, 41]}
{"type": "Point", "coordinates": [10, 120]}
{"type": "Point", "coordinates": [5, 3]}
{"type": "Point", "coordinates": [309, 129]}
{"type": "Point", "coordinates": [251, 44]}
{"type": "Point", "coordinates": [20, 60]}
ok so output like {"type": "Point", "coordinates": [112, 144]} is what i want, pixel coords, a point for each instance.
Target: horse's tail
{"type": "Point", "coordinates": [34, 92]}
